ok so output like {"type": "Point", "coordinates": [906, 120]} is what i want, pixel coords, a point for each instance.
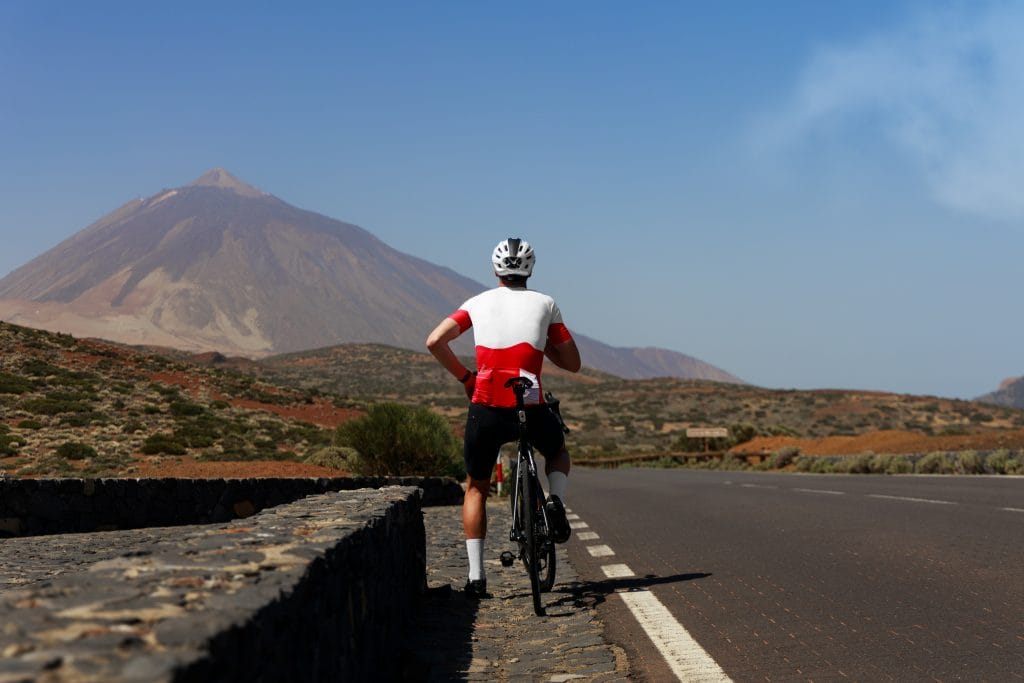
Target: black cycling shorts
{"type": "Point", "coordinates": [488, 428]}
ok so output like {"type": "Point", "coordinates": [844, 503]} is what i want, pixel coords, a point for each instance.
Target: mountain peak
{"type": "Point", "coordinates": [219, 177]}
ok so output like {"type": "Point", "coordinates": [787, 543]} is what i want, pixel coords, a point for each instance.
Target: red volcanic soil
{"type": "Point", "coordinates": [320, 412]}
{"type": "Point", "coordinates": [188, 468]}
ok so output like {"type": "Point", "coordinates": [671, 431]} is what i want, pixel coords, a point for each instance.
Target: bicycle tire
{"type": "Point", "coordinates": [546, 547]}
{"type": "Point", "coordinates": [531, 555]}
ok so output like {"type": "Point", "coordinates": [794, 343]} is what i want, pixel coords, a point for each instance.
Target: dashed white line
{"type": "Point", "coordinates": [617, 571]}
{"type": "Point", "coordinates": [912, 500]}
{"type": "Point", "coordinates": [831, 493]}
{"type": "Point", "coordinates": [587, 536]}
{"type": "Point", "coordinates": [578, 525]}
{"type": "Point", "coordinates": [1012, 509]}
{"type": "Point", "coordinates": [571, 517]}
{"type": "Point", "coordinates": [600, 551]}
{"type": "Point", "coordinates": [758, 486]}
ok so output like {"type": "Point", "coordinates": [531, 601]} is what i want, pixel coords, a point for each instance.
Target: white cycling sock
{"type": "Point", "coordinates": [557, 483]}
{"type": "Point", "coordinates": [475, 551]}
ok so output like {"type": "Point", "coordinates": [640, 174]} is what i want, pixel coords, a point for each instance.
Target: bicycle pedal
{"type": "Point", "coordinates": [507, 559]}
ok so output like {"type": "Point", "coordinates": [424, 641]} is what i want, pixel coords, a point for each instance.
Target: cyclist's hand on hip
{"type": "Point", "coordinates": [470, 386]}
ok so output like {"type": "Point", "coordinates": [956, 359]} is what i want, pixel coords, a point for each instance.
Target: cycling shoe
{"type": "Point", "coordinates": [560, 530]}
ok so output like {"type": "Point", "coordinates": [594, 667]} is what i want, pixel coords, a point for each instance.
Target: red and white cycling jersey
{"type": "Point", "coordinates": [511, 326]}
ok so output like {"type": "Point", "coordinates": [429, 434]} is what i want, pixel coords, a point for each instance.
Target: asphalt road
{"type": "Point", "coordinates": [812, 577]}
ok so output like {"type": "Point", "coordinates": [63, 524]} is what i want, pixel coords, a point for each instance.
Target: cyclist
{"type": "Point", "coordinates": [514, 328]}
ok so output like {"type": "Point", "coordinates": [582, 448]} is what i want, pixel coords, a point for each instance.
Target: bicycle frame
{"type": "Point", "coordinates": [529, 516]}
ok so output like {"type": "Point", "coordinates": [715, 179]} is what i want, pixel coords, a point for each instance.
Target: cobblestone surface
{"type": "Point", "coordinates": [500, 639]}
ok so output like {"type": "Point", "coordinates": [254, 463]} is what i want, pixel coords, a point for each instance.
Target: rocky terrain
{"type": "Point", "coordinates": [611, 415]}
{"type": "Point", "coordinates": [87, 407]}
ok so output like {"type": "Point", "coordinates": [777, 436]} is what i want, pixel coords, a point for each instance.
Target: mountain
{"type": "Point", "coordinates": [1010, 394]}
{"type": "Point", "coordinates": [219, 265]}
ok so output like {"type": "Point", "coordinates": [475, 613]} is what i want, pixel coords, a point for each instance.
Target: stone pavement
{"type": "Point", "coordinates": [452, 637]}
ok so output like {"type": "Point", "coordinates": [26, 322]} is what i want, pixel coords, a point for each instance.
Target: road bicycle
{"type": "Point", "coordinates": [530, 527]}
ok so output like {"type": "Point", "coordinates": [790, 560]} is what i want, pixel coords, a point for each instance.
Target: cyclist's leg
{"type": "Point", "coordinates": [546, 433]}
{"type": "Point", "coordinates": [480, 446]}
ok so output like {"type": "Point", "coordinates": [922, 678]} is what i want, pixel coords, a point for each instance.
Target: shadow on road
{"type": "Point", "coordinates": [440, 635]}
{"type": "Point", "coordinates": [590, 594]}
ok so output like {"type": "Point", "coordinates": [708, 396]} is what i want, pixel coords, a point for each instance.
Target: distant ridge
{"type": "Point", "coordinates": [1010, 394]}
{"type": "Point", "coordinates": [219, 265]}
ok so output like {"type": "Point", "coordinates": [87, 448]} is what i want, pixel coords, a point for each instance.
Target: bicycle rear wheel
{"type": "Point", "coordinates": [531, 551]}
{"type": "Point", "coordinates": [545, 546]}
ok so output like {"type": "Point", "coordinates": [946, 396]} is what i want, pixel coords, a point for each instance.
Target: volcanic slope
{"type": "Point", "coordinates": [1009, 394]}
{"type": "Point", "coordinates": [218, 265]}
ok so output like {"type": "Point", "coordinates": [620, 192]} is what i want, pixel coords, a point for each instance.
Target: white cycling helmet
{"type": "Point", "coordinates": [513, 257]}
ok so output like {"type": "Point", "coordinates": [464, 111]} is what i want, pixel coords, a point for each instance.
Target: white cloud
{"type": "Point", "coordinates": [947, 89]}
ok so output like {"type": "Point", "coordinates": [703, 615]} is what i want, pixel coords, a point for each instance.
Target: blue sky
{"type": "Point", "coordinates": [805, 194]}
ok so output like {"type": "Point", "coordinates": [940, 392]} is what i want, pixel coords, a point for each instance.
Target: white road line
{"type": "Point", "coordinates": [587, 536]}
{"type": "Point", "coordinates": [831, 493]}
{"type": "Point", "coordinates": [600, 551]}
{"type": "Point", "coordinates": [578, 525]}
{"type": "Point", "coordinates": [758, 486]}
{"type": "Point", "coordinates": [912, 500]}
{"type": "Point", "coordinates": [1012, 509]}
{"type": "Point", "coordinates": [684, 655]}
{"type": "Point", "coordinates": [572, 516]}
{"type": "Point", "coordinates": [617, 571]}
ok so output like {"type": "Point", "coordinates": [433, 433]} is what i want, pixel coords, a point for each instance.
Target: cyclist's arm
{"type": "Point", "coordinates": [565, 355]}
{"type": "Point", "coordinates": [438, 344]}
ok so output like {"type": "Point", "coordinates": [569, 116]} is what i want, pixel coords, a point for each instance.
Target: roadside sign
{"type": "Point", "coordinates": [707, 433]}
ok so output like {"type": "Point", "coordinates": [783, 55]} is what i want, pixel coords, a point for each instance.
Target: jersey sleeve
{"type": "Point", "coordinates": [462, 319]}
{"type": "Point", "coordinates": [558, 333]}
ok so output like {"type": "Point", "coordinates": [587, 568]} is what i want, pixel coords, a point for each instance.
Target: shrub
{"type": "Point", "coordinates": [162, 443]}
{"type": "Point", "coordinates": [968, 462]}
{"type": "Point", "coordinates": [132, 426]}
{"type": "Point", "coordinates": [1015, 465]}
{"type": "Point", "coordinates": [854, 464]}
{"type": "Point", "coordinates": [13, 384]}
{"type": "Point", "coordinates": [934, 463]}
{"type": "Point", "coordinates": [395, 439]}
{"type": "Point", "coordinates": [731, 462]}
{"type": "Point", "coordinates": [50, 406]}
{"type": "Point", "coordinates": [30, 424]}
{"type": "Point", "coordinates": [74, 450]}
{"type": "Point", "coordinates": [186, 409]}
{"type": "Point", "coordinates": [823, 466]}
{"type": "Point", "coordinates": [8, 444]}
{"type": "Point", "coordinates": [335, 457]}
{"type": "Point", "coordinates": [996, 461]}
{"type": "Point", "coordinates": [783, 457]}
{"type": "Point", "coordinates": [84, 419]}
{"type": "Point", "coordinates": [891, 464]}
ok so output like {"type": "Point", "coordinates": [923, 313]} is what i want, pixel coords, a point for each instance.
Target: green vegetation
{"type": "Point", "coordinates": [53, 406]}
{"type": "Point", "coordinates": [75, 450]}
{"type": "Point", "coordinates": [395, 439]}
{"type": "Point", "coordinates": [14, 384]}
{"type": "Point", "coordinates": [335, 457]}
{"type": "Point", "coordinates": [161, 443]}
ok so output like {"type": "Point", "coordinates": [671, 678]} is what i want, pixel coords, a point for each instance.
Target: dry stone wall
{"type": "Point", "coordinates": [31, 507]}
{"type": "Point", "coordinates": [317, 589]}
